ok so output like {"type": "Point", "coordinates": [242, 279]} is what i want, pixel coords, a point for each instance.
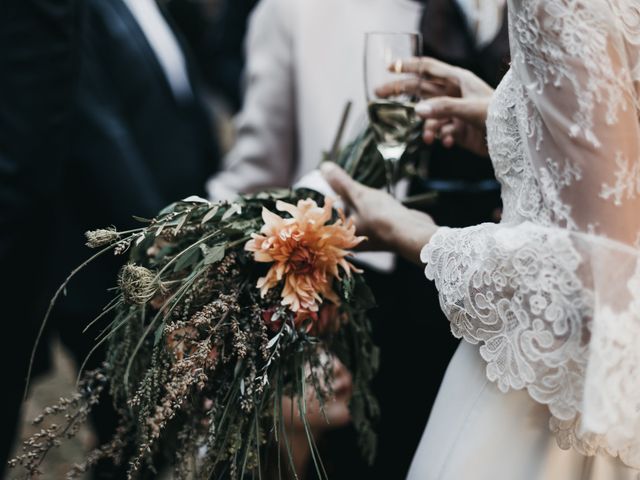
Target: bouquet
{"type": "Point", "coordinates": [221, 310]}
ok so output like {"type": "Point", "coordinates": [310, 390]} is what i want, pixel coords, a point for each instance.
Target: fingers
{"type": "Point", "coordinates": [447, 130]}
{"type": "Point", "coordinates": [432, 128]}
{"type": "Point", "coordinates": [470, 110]}
{"type": "Point", "coordinates": [409, 86]}
{"type": "Point", "coordinates": [443, 107]}
{"type": "Point", "coordinates": [412, 86]}
{"type": "Point", "coordinates": [455, 80]}
{"type": "Point", "coordinates": [427, 67]}
{"type": "Point", "coordinates": [348, 189]}
{"type": "Point", "coordinates": [448, 141]}
{"type": "Point", "coordinates": [430, 89]}
{"type": "Point", "coordinates": [449, 133]}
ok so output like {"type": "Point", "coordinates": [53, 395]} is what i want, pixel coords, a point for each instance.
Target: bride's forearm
{"type": "Point", "coordinates": [409, 232]}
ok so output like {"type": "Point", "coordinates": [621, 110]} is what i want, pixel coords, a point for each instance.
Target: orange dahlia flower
{"type": "Point", "coordinates": [306, 252]}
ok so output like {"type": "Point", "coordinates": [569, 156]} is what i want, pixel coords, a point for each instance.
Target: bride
{"type": "Point", "coordinates": [547, 384]}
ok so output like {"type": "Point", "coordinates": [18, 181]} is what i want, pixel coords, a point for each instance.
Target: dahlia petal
{"type": "Point", "coordinates": [272, 221]}
{"type": "Point", "coordinates": [262, 257]}
{"type": "Point", "coordinates": [287, 207]}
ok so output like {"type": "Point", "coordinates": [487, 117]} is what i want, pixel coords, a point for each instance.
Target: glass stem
{"type": "Point", "coordinates": [390, 170]}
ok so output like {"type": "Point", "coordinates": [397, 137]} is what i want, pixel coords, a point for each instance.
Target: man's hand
{"type": "Point", "coordinates": [386, 222]}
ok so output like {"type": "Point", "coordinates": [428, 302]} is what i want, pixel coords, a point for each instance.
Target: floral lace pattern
{"type": "Point", "coordinates": [627, 183]}
{"type": "Point", "coordinates": [552, 294]}
{"type": "Point", "coordinates": [521, 284]}
{"type": "Point", "coordinates": [521, 194]}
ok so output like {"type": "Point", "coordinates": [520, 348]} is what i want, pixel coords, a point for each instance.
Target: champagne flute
{"type": "Point", "coordinates": [392, 117]}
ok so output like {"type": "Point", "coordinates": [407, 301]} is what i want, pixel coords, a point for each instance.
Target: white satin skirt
{"type": "Point", "coordinates": [475, 432]}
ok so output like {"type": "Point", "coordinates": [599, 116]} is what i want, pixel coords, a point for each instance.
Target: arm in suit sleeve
{"type": "Point", "coordinates": [38, 40]}
{"type": "Point", "coordinates": [264, 154]}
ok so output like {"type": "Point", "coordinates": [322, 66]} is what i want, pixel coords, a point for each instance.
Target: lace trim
{"type": "Point", "coordinates": [577, 31]}
{"type": "Point", "coordinates": [521, 196]}
{"type": "Point", "coordinates": [516, 291]}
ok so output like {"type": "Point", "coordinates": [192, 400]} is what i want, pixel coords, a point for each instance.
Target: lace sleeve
{"type": "Point", "coordinates": [554, 301]}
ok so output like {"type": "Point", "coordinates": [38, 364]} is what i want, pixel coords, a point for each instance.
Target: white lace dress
{"type": "Point", "coordinates": [546, 385]}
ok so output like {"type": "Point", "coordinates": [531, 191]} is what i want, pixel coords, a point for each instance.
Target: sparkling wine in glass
{"type": "Point", "coordinates": [391, 94]}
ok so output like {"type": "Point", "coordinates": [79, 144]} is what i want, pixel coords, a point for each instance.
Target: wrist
{"type": "Point", "coordinates": [409, 234]}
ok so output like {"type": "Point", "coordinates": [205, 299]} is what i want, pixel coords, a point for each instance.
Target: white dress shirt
{"type": "Point", "coordinates": [164, 44]}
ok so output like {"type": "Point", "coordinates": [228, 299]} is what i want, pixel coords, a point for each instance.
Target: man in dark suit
{"type": "Point", "coordinates": [143, 138]}
{"type": "Point", "coordinates": [38, 44]}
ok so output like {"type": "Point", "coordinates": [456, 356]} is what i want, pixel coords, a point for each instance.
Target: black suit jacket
{"type": "Point", "coordinates": [135, 147]}
{"type": "Point", "coordinates": [38, 44]}
{"type": "Point", "coordinates": [217, 42]}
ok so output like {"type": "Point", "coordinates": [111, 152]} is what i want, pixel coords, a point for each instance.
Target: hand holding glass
{"type": "Point", "coordinates": [391, 113]}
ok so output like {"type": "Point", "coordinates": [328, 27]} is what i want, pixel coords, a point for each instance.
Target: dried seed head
{"type": "Point", "coordinates": [102, 237]}
{"type": "Point", "coordinates": [138, 284]}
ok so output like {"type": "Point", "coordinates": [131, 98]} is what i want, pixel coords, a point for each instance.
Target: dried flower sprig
{"type": "Point", "coordinates": [102, 237]}
{"type": "Point", "coordinates": [138, 285]}
{"type": "Point", "coordinates": [73, 411]}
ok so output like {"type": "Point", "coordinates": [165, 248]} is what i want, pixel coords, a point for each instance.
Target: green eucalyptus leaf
{"type": "Point", "coordinates": [347, 287]}
{"type": "Point", "coordinates": [195, 199]}
{"type": "Point", "coordinates": [281, 194]}
{"type": "Point", "coordinates": [273, 341]}
{"type": "Point", "coordinates": [181, 223]}
{"type": "Point", "coordinates": [232, 210]}
{"type": "Point", "coordinates": [214, 254]}
{"type": "Point", "coordinates": [375, 358]}
{"type": "Point", "coordinates": [231, 231]}
{"type": "Point", "coordinates": [168, 209]}
{"type": "Point", "coordinates": [210, 214]}
{"type": "Point", "coordinates": [158, 335]}
{"type": "Point", "coordinates": [187, 260]}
